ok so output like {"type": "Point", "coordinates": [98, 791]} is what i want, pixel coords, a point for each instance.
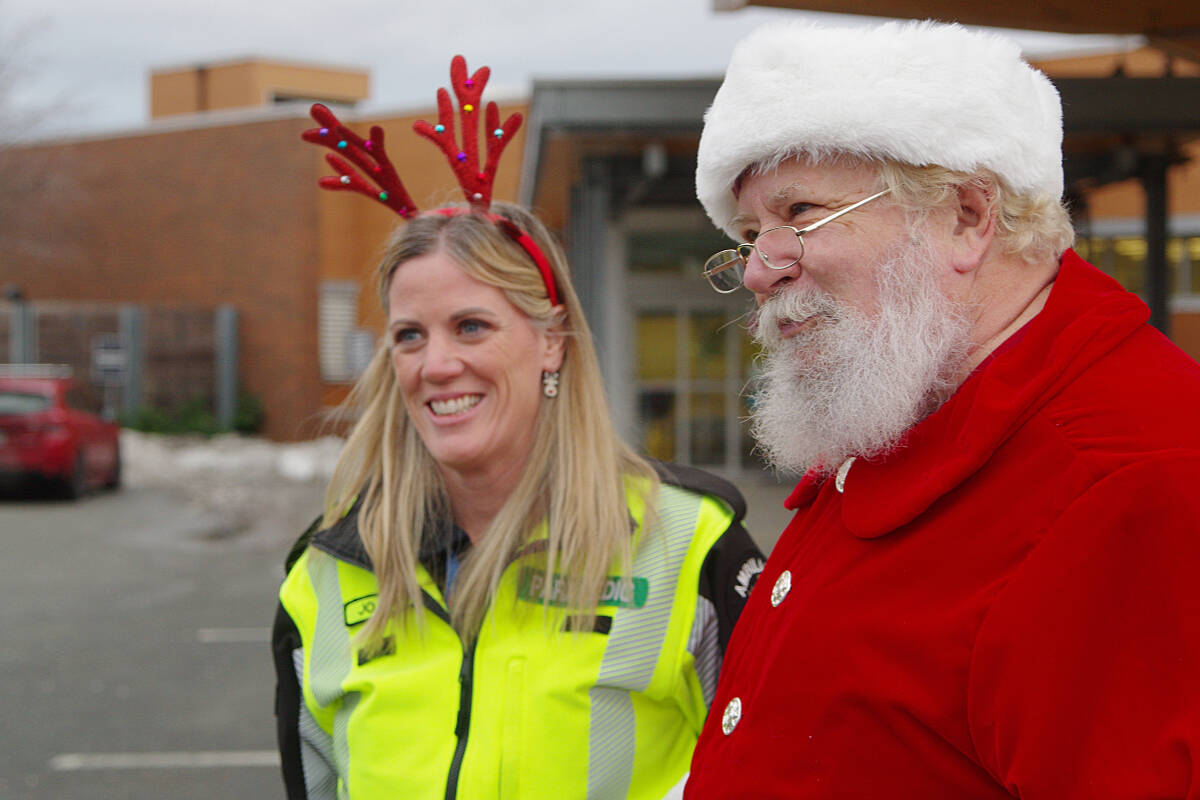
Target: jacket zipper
{"type": "Point", "coordinates": [465, 678]}
{"type": "Point", "coordinates": [463, 724]}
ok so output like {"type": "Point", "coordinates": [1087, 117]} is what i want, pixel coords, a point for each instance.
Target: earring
{"type": "Point", "coordinates": [550, 383]}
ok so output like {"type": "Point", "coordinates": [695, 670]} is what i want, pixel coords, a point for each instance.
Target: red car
{"type": "Point", "coordinates": [45, 433]}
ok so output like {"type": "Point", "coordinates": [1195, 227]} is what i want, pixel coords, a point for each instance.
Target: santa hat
{"type": "Point", "coordinates": [921, 93]}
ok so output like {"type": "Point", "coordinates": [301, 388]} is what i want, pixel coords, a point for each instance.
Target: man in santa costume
{"type": "Point", "coordinates": [989, 587]}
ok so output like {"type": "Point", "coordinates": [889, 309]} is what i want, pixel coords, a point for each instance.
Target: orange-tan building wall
{"type": "Point", "coordinates": [1125, 199]}
{"type": "Point", "coordinates": [250, 83]}
{"type": "Point", "coordinates": [1185, 332]}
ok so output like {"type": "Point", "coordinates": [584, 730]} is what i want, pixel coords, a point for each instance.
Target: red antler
{"type": "Point", "coordinates": [369, 155]}
{"type": "Point", "coordinates": [476, 183]}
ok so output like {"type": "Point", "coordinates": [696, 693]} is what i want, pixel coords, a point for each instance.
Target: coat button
{"type": "Point", "coordinates": [732, 716]}
{"type": "Point", "coordinates": [839, 481]}
{"type": "Point", "coordinates": [783, 585]}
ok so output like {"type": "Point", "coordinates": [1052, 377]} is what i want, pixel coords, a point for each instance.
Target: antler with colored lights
{"type": "Point", "coordinates": [476, 183]}
{"type": "Point", "coordinates": [368, 155]}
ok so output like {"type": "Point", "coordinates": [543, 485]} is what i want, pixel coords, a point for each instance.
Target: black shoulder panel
{"type": "Point", "coordinates": [288, 699]}
{"type": "Point", "coordinates": [697, 480]}
{"type": "Point", "coordinates": [340, 539]}
{"type": "Point", "coordinates": [300, 545]}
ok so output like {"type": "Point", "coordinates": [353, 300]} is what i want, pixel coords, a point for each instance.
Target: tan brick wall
{"type": "Point", "coordinates": [217, 215]}
{"type": "Point", "coordinates": [194, 218]}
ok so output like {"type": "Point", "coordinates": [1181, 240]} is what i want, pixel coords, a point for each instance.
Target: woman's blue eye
{"type": "Point", "coordinates": [799, 208]}
{"type": "Point", "coordinates": [406, 335]}
{"type": "Point", "coordinates": [472, 326]}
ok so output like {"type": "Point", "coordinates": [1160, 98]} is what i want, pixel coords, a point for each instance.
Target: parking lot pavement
{"type": "Point", "coordinates": [136, 659]}
{"type": "Point", "coordinates": [765, 515]}
{"type": "Point", "coordinates": [136, 623]}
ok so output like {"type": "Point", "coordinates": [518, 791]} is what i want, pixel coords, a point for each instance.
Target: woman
{"type": "Point", "coordinates": [501, 600]}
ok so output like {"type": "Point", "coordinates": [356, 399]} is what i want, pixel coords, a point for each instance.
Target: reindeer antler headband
{"type": "Point", "coordinates": [370, 157]}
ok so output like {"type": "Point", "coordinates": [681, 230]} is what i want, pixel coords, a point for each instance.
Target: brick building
{"type": "Point", "coordinates": [215, 203]}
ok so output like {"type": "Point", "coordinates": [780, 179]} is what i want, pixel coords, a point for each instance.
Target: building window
{"type": "Point", "coordinates": [694, 371]}
{"type": "Point", "coordinates": [693, 365]}
{"type": "Point", "coordinates": [1189, 265]}
{"type": "Point", "coordinates": [1124, 258]}
{"type": "Point", "coordinates": [1129, 262]}
{"type": "Point", "coordinates": [340, 338]}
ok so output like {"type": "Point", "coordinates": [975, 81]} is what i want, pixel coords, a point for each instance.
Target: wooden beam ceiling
{"type": "Point", "coordinates": [1172, 25]}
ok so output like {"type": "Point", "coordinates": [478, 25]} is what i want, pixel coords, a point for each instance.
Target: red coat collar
{"type": "Point", "coordinates": [1086, 316]}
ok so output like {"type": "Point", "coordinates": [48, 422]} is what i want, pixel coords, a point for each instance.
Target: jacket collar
{"type": "Point", "coordinates": [1086, 316]}
{"type": "Point", "coordinates": [442, 536]}
{"type": "Point", "coordinates": [343, 541]}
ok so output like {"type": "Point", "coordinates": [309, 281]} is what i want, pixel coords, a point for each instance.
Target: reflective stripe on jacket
{"type": "Point", "coordinates": [535, 708]}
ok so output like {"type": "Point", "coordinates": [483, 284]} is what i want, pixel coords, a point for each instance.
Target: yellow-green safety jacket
{"type": "Point", "coordinates": [535, 708]}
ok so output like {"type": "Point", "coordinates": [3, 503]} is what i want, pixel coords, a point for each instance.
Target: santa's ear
{"type": "Point", "coordinates": [974, 224]}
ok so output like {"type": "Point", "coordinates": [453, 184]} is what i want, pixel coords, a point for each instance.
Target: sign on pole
{"type": "Point", "coordinates": [110, 360]}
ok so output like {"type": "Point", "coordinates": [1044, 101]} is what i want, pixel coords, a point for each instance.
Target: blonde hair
{"type": "Point", "coordinates": [575, 475]}
{"type": "Point", "coordinates": [1032, 227]}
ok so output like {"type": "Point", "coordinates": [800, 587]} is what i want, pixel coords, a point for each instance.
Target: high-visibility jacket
{"type": "Point", "coordinates": [535, 707]}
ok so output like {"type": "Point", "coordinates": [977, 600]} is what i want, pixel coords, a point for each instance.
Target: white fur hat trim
{"type": "Point", "coordinates": [920, 93]}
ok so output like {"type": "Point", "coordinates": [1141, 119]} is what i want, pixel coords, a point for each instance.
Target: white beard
{"type": "Point", "coordinates": [853, 384]}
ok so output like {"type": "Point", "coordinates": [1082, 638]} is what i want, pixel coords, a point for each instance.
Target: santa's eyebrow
{"type": "Point", "coordinates": [740, 221]}
{"type": "Point", "coordinates": [783, 194]}
{"type": "Point", "coordinates": [786, 193]}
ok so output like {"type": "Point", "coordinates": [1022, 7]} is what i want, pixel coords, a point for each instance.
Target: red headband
{"type": "Point", "coordinates": [370, 157]}
{"type": "Point", "coordinates": [520, 237]}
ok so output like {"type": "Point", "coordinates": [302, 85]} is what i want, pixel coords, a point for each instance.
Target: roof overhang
{"type": "Point", "coordinates": [1170, 25]}
{"type": "Point", "coordinates": [606, 116]}
{"type": "Point", "coordinates": [1109, 125]}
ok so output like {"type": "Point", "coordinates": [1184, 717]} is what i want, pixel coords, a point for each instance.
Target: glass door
{"type": "Point", "coordinates": [693, 362]}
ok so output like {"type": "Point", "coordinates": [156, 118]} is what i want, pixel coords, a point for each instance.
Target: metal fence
{"type": "Point", "coordinates": [130, 357]}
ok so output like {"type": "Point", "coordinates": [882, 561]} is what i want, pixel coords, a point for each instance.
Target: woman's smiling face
{"type": "Point", "coordinates": [468, 364]}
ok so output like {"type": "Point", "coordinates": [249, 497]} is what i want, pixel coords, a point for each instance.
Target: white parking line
{"type": "Point", "coordinates": [71, 762]}
{"type": "Point", "coordinates": [222, 635]}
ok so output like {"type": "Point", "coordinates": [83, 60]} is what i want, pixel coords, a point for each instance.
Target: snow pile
{"type": "Point", "coordinates": [243, 484]}
{"type": "Point", "coordinates": [151, 459]}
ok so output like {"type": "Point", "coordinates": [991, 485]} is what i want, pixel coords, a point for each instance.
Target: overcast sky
{"type": "Point", "coordinates": [91, 59]}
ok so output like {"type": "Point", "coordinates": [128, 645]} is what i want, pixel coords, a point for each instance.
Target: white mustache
{"type": "Point", "coordinates": [855, 385]}
{"type": "Point", "coordinates": [795, 305]}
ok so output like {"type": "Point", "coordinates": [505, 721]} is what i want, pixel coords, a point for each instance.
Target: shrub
{"type": "Point", "coordinates": [249, 414]}
{"type": "Point", "coordinates": [196, 416]}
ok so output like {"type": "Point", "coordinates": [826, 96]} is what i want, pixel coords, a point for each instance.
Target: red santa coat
{"type": "Point", "coordinates": [1009, 605]}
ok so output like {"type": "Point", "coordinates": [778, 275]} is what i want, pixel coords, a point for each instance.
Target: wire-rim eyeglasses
{"type": "Point", "coordinates": [778, 248]}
